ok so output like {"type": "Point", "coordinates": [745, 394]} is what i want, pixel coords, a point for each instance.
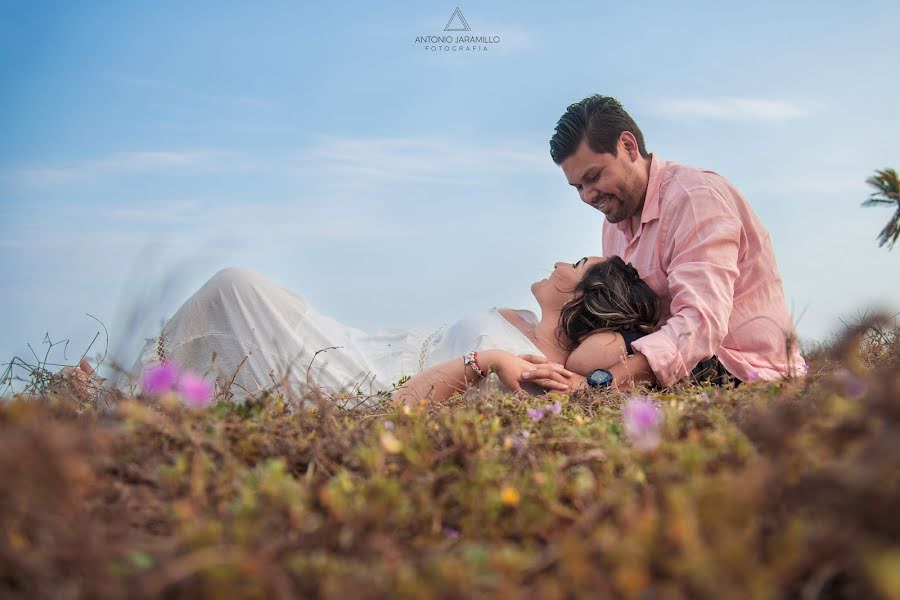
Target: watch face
{"type": "Point", "coordinates": [600, 378]}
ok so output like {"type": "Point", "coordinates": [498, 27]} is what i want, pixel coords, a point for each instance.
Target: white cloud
{"type": "Point", "coordinates": [175, 89]}
{"type": "Point", "coordinates": [310, 219]}
{"type": "Point", "coordinates": [810, 185]}
{"type": "Point", "coordinates": [118, 164]}
{"type": "Point", "coordinates": [425, 159]}
{"type": "Point", "coordinates": [735, 109]}
{"type": "Point", "coordinates": [158, 215]}
{"type": "Point", "coordinates": [19, 243]}
{"type": "Point", "coordinates": [412, 159]}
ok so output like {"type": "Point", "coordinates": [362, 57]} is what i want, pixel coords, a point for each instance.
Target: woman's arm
{"type": "Point", "coordinates": [442, 381]}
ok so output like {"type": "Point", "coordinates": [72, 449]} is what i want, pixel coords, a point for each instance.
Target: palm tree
{"type": "Point", "coordinates": [887, 187]}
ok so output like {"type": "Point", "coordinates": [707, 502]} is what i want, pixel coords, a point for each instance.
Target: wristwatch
{"type": "Point", "coordinates": [600, 378]}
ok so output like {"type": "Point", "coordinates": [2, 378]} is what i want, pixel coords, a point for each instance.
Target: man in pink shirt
{"type": "Point", "coordinates": [695, 241]}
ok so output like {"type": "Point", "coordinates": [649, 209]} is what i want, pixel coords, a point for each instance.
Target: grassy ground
{"type": "Point", "coordinates": [769, 490]}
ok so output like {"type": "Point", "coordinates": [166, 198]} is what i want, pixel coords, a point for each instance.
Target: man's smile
{"type": "Point", "coordinates": [603, 202]}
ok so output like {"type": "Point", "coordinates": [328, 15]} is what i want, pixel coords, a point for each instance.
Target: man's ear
{"type": "Point", "coordinates": [629, 145]}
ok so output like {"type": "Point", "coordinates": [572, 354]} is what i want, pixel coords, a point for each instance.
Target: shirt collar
{"type": "Point", "coordinates": [650, 211]}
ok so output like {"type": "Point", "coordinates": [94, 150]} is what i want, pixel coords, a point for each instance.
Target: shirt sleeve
{"type": "Point", "coordinates": [630, 337]}
{"type": "Point", "coordinates": [701, 243]}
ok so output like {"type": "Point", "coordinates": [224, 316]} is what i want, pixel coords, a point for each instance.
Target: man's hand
{"type": "Point", "coordinates": [538, 369]}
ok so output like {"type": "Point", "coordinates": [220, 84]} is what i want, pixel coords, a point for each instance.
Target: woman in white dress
{"type": "Point", "coordinates": [249, 333]}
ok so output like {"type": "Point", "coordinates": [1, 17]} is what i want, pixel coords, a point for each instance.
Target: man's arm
{"type": "Point", "coordinates": [634, 370]}
{"type": "Point", "coordinates": [607, 350]}
{"type": "Point", "coordinates": [603, 350]}
{"type": "Point", "coordinates": [702, 236]}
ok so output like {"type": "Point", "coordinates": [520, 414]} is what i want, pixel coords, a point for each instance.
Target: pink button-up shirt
{"type": "Point", "coordinates": [704, 252]}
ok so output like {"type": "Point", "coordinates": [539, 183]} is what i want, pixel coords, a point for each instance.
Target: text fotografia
{"type": "Point", "coordinates": [459, 43]}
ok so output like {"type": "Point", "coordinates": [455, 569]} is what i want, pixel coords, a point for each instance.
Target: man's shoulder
{"type": "Point", "coordinates": [682, 178]}
{"type": "Point", "coordinates": [686, 183]}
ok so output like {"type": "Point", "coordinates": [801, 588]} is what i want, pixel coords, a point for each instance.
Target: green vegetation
{"type": "Point", "coordinates": [769, 490]}
{"type": "Point", "coordinates": [887, 193]}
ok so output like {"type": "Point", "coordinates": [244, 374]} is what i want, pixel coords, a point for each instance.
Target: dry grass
{"type": "Point", "coordinates": [769, 490]}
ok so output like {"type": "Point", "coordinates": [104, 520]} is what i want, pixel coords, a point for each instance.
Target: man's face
{"type": "Point", "coordinates": [611, 184]}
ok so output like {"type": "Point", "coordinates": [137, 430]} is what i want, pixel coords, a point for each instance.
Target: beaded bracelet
{"type": "Point", "coordinates": [471, 360]}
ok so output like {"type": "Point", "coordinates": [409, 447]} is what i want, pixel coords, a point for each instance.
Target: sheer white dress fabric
{"type": "Point", "coordinates": [239, 313]}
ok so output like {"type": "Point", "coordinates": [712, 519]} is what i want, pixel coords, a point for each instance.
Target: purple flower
{"type": "Point", "coordinates": [195, 389]}
{"type": "Point", "coordinates": [536, 414]}
{"type": "Point", "coordinates": [642, 421]}
{"type": "Point", "coordinates": [751, 376]}
{"type": "Point", "coordinates": [519, 440]}
{"type": "Point", "coordinates": [451, 533]}
{"type": "Point", "coordinates": [852, 386]}
{"type": "Point", "coordinates": [389, 425]}
{"type": "Point", "coordinates": [160, 379]}
{"type": "Point", "coordinates": [554, 409]}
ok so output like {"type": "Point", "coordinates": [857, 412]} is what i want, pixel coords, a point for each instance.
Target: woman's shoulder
{"type": "Point", "coordinates": [477, 331]}
{"type": "Point", "coordinates": [495, 320]}
{"type": "Point", "coordinates": [511, 314]}
{"type": "Point", "coordinates": [472, 325]}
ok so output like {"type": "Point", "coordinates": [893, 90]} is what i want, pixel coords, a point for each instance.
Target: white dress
{"type": "Point", "coordinates": [240, 314]}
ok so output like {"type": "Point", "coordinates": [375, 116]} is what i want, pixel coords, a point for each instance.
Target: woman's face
{"type": "Point", "coordinates": [557, 289]}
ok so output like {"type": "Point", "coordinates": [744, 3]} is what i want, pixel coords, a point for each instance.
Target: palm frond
{"type": "Point", "coordinates": [887, 193]}
{"type": "Point", "coordinates": [878, 201]}
{"type": "Point", "coordinates": [891, 232]}
{"type": "Point", "coordinates": [885, 182]}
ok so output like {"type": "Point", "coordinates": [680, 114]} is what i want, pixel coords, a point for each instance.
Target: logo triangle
{"type": "Point", "coordinates": [460, 25]}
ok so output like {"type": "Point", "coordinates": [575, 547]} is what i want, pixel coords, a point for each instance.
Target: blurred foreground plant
{"type": "Point", "coordinates": [768, 490]}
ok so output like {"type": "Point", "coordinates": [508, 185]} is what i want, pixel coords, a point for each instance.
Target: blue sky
{"type": "Point", "coordinates": [155, 142]}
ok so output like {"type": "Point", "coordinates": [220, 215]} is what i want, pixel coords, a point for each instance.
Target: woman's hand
{"type": "Point", "coordinates": [78, 379]}
{"type": "Point", "coordinates": [510, 369]}
{"type": "Point", "coordinates": [540, 368]}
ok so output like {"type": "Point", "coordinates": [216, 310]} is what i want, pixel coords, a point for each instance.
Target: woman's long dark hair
{"type": "Point", "coordinates": [610, 297]}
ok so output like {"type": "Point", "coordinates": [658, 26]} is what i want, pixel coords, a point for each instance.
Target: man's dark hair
{"type": "Point", "coordinates": [610, 297]}
{"type": "Point", "coordinates": [598, 119]}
